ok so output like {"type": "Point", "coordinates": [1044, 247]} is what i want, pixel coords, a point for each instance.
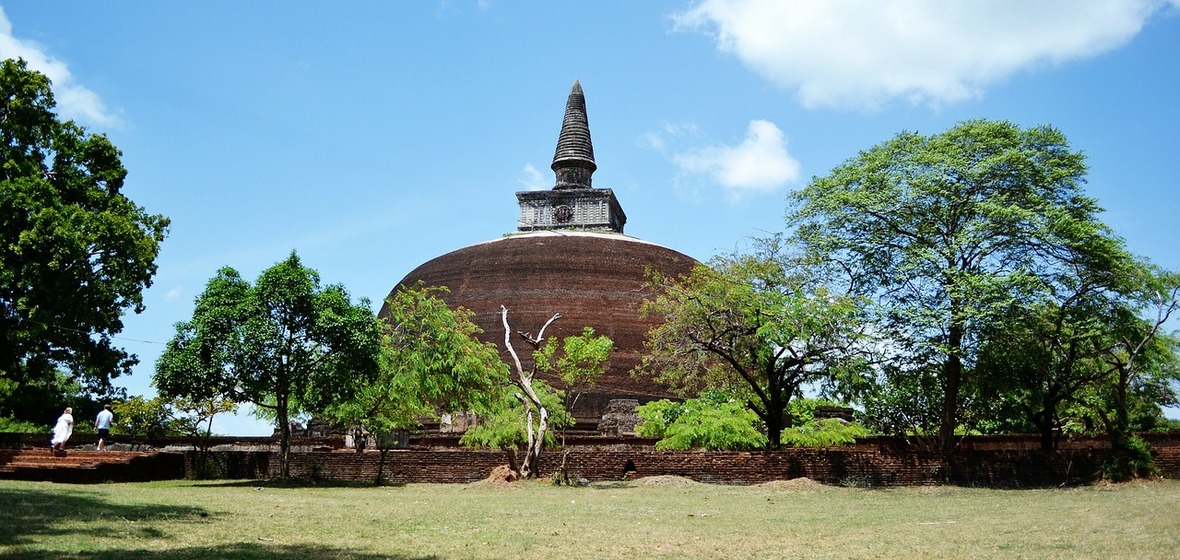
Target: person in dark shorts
{"type": "Point", "coordinates": [102, 424]}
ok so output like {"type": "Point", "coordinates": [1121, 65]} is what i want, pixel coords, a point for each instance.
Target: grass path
{"type": "Point", "coordinates": [653, 518]}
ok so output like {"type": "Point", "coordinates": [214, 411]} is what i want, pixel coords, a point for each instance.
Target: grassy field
{"type": "Point", "coordinates": [649, 518]}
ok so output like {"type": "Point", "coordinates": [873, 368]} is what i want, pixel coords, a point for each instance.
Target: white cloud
{"type": "Point", "coordinates": [851, 53]}
{"type": "Point", "coordinates": [174, 293]}
{"type": "Point", "coordinates": [533, 179]}
{"type": "Point", "coordinates": [74, 101]}
{"type": "Point", "coordinates": [759, 164]}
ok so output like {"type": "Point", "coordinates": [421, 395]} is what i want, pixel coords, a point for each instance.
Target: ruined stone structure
{"type": "Point", "coordinates": [569, 255]}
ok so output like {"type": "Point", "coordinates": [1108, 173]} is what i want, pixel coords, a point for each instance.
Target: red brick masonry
{"type": "Point", "coordinates": [1010, 461]}
{"type": "Point", "coordinates": [993, 461]}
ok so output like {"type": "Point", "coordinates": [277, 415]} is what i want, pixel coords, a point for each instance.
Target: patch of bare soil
{"type": "Point", "coordinates": [802, 484]}
{"type": "Point", "coordinates": [500, 476]}
{"type": "Point", "coordinates": [667, 481]}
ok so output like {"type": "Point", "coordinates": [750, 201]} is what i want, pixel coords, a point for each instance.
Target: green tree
{"type": "Point", "coordinates": [147, 418]}
{"type": "Point", "coordinates": [1044, 352]}
{"type": "Point", "coordinates": [755, 325]}
{"type": "Point", "coordinates": [578, 361]}
{"type": "Point", "coordinates": [284, 344]}
{"type": "Point", "coordinates": [42, 399]}
{"type": "Point", "coordinates": [197, 416]}
{"type": "Point", "coordinates": [431, 363]}
{"type": "Point", "coordinates": [945, 231]}
{"type": "Point", "coordinates": [531, 408]}
{"type": "Point", "coordinates": [1143, 361]}
{"type": "Point", "coordinates": [75, 252]}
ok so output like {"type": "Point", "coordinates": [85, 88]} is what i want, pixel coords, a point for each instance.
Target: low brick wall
{"type": "Point", "coordinates": [995, 461]}
{"type": "Point", "coordinates": [1008, 461]}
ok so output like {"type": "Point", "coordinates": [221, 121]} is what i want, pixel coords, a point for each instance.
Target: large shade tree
{"type": "Point", "coordinates": [759, 325]}
{"type": "Point", "coordinates": [284, 344]}
{"type": "Point", "coordinates": [75, 252]}
{"type": "Point", "coordinates": [946, 231]}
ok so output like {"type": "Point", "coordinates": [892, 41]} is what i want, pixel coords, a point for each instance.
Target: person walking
{"type": "Point", "coordinates": [63, 429]}
{"type": "Point", "coordinates": [102, 424]}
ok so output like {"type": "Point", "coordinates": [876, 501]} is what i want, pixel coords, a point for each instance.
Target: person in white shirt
{"type": "Point", "coordinates": [102, 425]}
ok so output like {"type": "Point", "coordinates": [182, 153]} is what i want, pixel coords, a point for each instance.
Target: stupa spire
{"type": "Point", "coordinates": [573, 162]}
{"type": "Point", "coordinates": [572, 204]}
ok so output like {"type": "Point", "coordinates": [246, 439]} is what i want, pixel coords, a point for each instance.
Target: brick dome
{"type": "Point", "coordinates": [593, 279]}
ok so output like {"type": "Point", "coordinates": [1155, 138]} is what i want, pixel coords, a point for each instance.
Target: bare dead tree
{"type": "Point", "coordinates": [536, 414]}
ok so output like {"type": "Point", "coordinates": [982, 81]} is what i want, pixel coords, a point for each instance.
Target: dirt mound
{"type": "Point", "coordinates": [794, 485]}
{"type": "Point", "coordinates": [502, 475]}
{"type": "Point", "coordinates": [666, 480]}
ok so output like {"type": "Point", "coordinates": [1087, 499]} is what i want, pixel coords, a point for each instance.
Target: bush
{"type": "Point", "coordinates": [701, 423]}
{"type": "Point", "coordinates": [826, 432]}
{"type": "Point", "coordinates": [12, 425]}
{"type": "Point", "coordinates": [1131, 459]}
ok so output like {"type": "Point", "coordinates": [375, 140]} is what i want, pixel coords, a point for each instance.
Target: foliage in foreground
{"type": "Point", "coordinates": [14, 426]}
{"type": "Point", "coordinates": [75, 252]}
{"type": "Point", "coordinates": [430, 363]}
{"type": "Point", "coordinates": [945, 232]}
{"type": "Point", "coordinates": [824, 432]}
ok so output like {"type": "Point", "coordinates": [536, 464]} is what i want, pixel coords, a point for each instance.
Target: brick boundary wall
{"type": "Point", "coordinates": [993, 461]}
{"type": "Point", "coordinates": [1000, 461]}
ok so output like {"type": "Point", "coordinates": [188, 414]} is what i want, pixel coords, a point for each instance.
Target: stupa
{"type": "Point", "coordinates": [569, 256]}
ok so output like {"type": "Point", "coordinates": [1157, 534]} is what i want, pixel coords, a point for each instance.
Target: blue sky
{"type": "Point", "coordinates": [373, 136]}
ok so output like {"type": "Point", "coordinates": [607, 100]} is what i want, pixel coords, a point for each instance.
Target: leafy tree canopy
{"type": "Point", "coordinates": [149, 418]}
{"type": "Point", "coordinates": [756, 325]}
{"type": "Point", "coordinates": [946, 232]}
{"type": "Point", "coordinates": [283, 343]}
{"type": "Point", "coordinates": [431, 363]}
{"type": "Point", "coordinates": [75, 252]}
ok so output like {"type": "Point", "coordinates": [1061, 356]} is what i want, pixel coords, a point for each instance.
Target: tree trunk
{"type": "Point", "coordinates": [1045, 427]}
{"type": "Point", "coordinates": [774, 423]}
{"type": "Point", "coordinates": [528, 396]}
{"type": "Point", "coordinates": [536, 442]}
{"type": "Point", "coordinates": [952, 379]}
{"type": "Point", "coordinates": [1119, 462]}
{"type": "Point", "coordinates": [381, 464]}
{"type": "Point", "coordinates": [284, 436]}
{"type": "Point", "coordinates": [512, 461]}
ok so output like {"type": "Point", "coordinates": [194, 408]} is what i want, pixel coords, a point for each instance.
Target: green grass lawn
{"type": "Point", "coordinates": [652, 518]}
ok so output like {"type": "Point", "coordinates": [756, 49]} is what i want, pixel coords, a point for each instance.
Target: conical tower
{"type": "Point", "coordinates": [573, 162]}
{"type": "Point", "coordinates": [572, 203]}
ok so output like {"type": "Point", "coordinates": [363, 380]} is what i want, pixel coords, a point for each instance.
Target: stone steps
{"type": "Point", "coordinates": [88, 466]}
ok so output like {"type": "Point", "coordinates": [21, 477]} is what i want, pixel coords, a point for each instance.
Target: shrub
{"type": "Point", "coordinates": [701, 423]}
{"type": "Point", "coordinates": [825, 432]}
{"type": "Point", "coordinates": [1130, 460]}
{"type": "Point", "coordinates": [12, 425]}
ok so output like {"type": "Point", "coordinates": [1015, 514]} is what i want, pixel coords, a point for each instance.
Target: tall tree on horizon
{"type": "Point", "coordinates": [284, 344]}
{"type": "Point", "coordinates": [946, 232]}
{"type": "Point", "coordinates": [75, 252]}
